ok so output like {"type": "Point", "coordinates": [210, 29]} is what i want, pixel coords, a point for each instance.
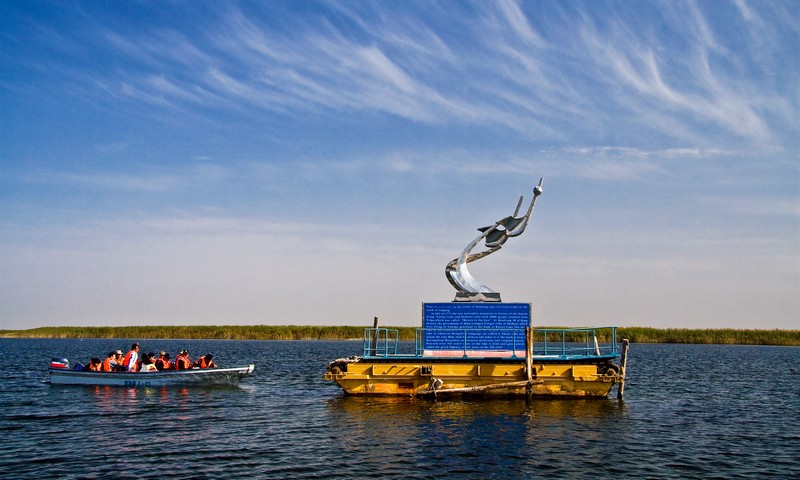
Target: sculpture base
{"type": "Point", "coordinates": [477, 297]}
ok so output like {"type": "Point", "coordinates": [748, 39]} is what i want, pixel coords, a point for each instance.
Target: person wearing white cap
{"type": "Point", "coordinates": [118, 359]}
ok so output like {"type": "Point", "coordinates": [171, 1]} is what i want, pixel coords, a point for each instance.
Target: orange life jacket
{"type": "Point", "coordinates": [201, 362]}
{"type": "Point", "coordinates": [106, 367]}
{"type": "Point", "coordinates": [182, 363]}
{"type": "Point", "coordinates": [127, 359]}
{"type": "Point", "coordinates": [94, 367]}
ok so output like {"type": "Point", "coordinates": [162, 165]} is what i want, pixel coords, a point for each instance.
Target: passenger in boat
{"type": "Point", "coordinates": [110, 363]}
{"type": "Point", "coordinates": [94, 364]}
{"type": "Point", "coordinates": [163, 362]}
{"type": "Point", "coordinates": [147, 364]}
{"type": "Point", "coordinates": [131, 361]}
{"type": "Point", "coordinates": [205, 362]}
{"type": "Point", "coordinates": [183, 362]}
{"type": "Point", "coordinates": [119, 359]}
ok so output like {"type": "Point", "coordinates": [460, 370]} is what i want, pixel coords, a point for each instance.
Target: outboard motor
{"type": "Point", "coordinates": [59, 363]}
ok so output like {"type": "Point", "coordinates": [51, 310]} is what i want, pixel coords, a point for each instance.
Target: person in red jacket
{"type": "Point", "coordinates": [131, 361]}
{"type": "Point", "coordinates": [205, 362]}
{"type": "Point", "coordinates": [183, 362]}
{"type": "Point", "coordinates": [163, 362]}
{"type": "Point", "coordinates": [94, 364]}
{"type": "Point", "coordinates": [110, 363]}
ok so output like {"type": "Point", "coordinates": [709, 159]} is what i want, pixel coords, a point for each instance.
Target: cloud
{"type": "Point", "coordinates": [163, 180]}
{"type": "Point", "coordinates": [385, 69]}
{"type": "Point", "coordinates": [109, 181]}
{"type": "Point", "coordinates": [504, 65]}
{"type": "Point", "coordinates": [519, 22]}
{"type": "Point", "coordinates": [168, 88]}
{"type": "Point", "coordinates": [112, 148]}
{"type": "Point", "coordinates": [762, 206]}
{"type": "Point", "coordinates": [608, 163]}
{"type": "Point", "coordinates": [684, 83]}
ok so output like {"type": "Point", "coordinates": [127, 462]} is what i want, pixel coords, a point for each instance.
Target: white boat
{"type": "Point", "coordinates": [62, 375]}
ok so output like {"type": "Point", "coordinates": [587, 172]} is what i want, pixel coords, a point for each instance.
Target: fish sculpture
{"type": "Point", "coordinates": [468, 289]}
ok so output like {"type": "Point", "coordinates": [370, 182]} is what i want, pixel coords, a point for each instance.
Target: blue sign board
{"type": "Point", "coordinates": [475, 325]}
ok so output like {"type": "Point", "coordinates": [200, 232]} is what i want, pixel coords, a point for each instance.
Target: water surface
{"type": "Point", "coordinates": [691, 411]}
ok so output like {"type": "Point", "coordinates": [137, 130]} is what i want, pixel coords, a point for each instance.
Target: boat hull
{"type": "Point", "coordinates": [214, 376]}
{"type": "Point", "coordinates": [468, 377]}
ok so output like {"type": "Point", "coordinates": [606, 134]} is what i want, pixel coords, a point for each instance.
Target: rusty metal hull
{"type": "Point", "coordinates": [468, 377]}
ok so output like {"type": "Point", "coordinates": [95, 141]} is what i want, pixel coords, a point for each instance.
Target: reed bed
{"type": "Point", "coordinates": [227, 332]}
{"type": "Point", "coordinates": [724, 336]}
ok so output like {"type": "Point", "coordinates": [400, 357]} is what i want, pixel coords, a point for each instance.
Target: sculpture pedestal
{"type": "Point", "coordinates": [477, 297]}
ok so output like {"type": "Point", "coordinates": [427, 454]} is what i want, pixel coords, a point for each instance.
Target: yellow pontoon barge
{"type": "Point", "coordinates": [575, 362]}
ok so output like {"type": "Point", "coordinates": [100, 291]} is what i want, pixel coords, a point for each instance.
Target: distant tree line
{"type": "Point", "coordinates": [727, 336]}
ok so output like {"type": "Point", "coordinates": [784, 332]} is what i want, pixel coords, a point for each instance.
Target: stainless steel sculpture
{"type": "Point", "coordinates": [468, 289]}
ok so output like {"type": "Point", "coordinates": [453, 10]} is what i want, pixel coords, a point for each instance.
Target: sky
{"type": "Point", "coordinates": [320, 163]}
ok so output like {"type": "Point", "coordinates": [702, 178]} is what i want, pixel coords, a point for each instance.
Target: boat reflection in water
{"type": "Point", "coordinates": [114, 397]}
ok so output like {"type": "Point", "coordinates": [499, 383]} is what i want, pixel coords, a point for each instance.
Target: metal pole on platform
{"type": "Point", "coordinates": [624, 364]}
{"type": "Point", "coordinates": [529, 359]}
{"type": "Point", "coordinates": [374, 347]}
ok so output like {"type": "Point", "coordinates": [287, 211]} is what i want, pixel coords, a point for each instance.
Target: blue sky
{"type": "Point", "coordinates": [205, 162]}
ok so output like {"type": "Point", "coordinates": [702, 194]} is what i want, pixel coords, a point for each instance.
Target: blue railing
{"type": "Point", "coordinates": [380, 342]}
{"type": "Point", "coordinates": [561, 343]}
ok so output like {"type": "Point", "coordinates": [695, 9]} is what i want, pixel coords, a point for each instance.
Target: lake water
{"type": "Point", "coordinates": [691, 411]}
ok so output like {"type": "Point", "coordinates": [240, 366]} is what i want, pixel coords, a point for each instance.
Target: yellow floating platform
{"type": "Point", "coordinates": [414, 378]}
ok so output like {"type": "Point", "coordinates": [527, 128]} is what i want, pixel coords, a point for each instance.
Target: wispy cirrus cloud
{"type": "Point", "coordinates": [143, 180]}
{"type": "Point", "coordinates": [109, 181]}
{"type": "Point", "coordinates": [608, 163]}
{"type": "Point", "coordinates": [689, 87]}
{"type": "Point", "coordinates": [506, 65]}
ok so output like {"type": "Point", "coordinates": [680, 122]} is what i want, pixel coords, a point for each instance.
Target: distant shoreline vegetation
{"type": "Point", "coordinates": [723, 336]}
